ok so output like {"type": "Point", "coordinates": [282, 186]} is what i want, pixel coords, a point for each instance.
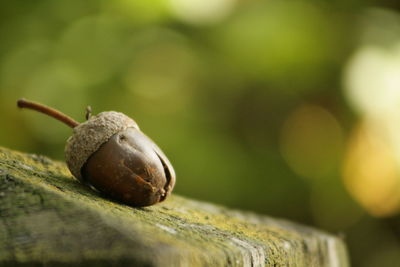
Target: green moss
{"type": "Point", "coordinates": [49, 217]}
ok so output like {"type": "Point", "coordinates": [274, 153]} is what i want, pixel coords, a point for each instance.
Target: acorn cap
{"type": "Point", "coordinates": [90, 135]}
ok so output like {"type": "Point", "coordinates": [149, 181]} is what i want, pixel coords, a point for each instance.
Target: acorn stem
{"type": "Point", "coordinates": [22, 103]}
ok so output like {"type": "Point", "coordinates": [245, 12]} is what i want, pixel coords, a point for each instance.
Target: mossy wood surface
{"type": "Point", "coordinates": [48, 218]}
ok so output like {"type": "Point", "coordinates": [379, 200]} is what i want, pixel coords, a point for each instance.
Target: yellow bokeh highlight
{"type": "Point", "coordinates": [370, 172]}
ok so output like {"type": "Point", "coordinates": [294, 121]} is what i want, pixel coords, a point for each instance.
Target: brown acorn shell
{"type": "Point", "coordinates": [90, 135]}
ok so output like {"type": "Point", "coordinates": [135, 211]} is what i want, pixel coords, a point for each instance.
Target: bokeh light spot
{"type": "Point", "coordinates": [372, 81]}
{"type": "Point", "coordinates": [284, 42]}
{"type": "Point", "coordinates": [311, 142]}
{"type": "Point", "coordinates": [89, 37]}
{"type": "Point", "coordinates": [163, 68]}
{"type": "Point", "coordinates": [370, 171]}
{"type": "Point", "coordinates": [201, 11]}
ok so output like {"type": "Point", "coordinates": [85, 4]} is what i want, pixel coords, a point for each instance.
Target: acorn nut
{"type": "Point", "coordinates": [109, 153]}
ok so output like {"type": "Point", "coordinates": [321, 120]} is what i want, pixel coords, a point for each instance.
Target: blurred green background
{"type": "Point", "coordinates": [287, 108]}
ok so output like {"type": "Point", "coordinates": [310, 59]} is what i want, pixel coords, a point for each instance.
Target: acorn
{"type": "Point", "coordinates": [111, 154]}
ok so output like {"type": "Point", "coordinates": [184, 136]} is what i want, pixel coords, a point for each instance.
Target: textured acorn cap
{"type": "Point", "coordinates": [90, 135]}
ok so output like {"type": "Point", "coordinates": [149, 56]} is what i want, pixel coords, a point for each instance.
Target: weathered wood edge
{"type": "Point", "coordinates": [48, 218]}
